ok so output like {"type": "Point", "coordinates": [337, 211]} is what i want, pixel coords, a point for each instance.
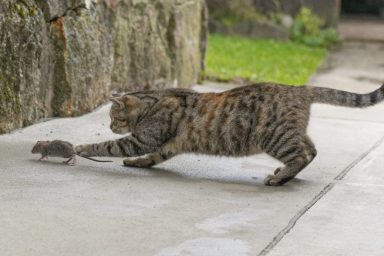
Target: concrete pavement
{"type": "Point", "coordinates": [361, 28]}
{"type": "Point", "coordinates": [198, 205]}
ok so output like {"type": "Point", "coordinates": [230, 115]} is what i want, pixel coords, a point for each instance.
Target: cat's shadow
{"type": "Point", "coordinates": [249, 181]}
{"type": "Point", "coordinates": [117, 170]}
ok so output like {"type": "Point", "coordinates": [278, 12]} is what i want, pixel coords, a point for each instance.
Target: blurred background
{"type": "Point", "coordinates": [64, 58]}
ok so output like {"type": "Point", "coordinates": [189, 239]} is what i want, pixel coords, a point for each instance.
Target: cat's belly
{"type": "Point", "coordinates": [230, 150]}
{"type": "Point", "coordinates": [211, 145]}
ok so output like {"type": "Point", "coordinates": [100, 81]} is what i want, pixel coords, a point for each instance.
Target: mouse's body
{"type": "Point", "coordinates": [58, 148]}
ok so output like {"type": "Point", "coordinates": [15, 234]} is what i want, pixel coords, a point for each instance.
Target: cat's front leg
{"type": "Point", "coordinates": [127, 146]}
{"type": "Point", "coordinates": [97, 149]}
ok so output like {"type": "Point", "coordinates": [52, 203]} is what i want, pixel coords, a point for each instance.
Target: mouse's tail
{"type": "Point", "coordinates": [96, 160]}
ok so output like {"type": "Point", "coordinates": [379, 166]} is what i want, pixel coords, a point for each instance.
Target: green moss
{"type": "Point", "coordinates": [61, 89]}
{"type": "Point", "coordinates": [32, 11]}
{"type": "Point", "coordinates": [25, 10]}
{"type": "Point", "coordinates": [21, 10]}
{"type": "Point", "coordinates": [10, 104]}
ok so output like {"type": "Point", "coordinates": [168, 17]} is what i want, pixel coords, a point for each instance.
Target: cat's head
{"type": "Point", "coordinates": [124, 113]}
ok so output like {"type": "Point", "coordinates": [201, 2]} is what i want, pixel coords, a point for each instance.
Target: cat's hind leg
{"type": "Point", "coordinates": [147, 160]}
{"type": "Point", "coordinates": [296, 154]}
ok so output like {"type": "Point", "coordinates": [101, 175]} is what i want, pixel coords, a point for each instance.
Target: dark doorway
{"type": "Point", "coordinates": [362, 20]}
{"type": "Point", "coordinates": [364, 7]}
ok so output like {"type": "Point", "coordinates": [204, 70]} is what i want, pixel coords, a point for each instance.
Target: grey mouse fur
{"type": "Point", "coordinates": [58, 148]}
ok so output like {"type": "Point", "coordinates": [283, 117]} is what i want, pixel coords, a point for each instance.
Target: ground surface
{"type": "Point", "coordinates": [197, 205]}
{"type": "Point", "coordinates": [368, 28]}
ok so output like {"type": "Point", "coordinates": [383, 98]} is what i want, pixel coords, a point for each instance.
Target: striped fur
{"type": "Point", "coordinates": [348, 99]}
{"type": "Point", "coordinates": [244, 121]}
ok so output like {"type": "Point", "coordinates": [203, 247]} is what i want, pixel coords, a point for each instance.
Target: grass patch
{"type": "Point", "coordinates": [231, 57]}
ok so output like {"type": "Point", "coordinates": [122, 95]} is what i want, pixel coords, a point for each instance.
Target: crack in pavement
{"type": "Point", "coordinates": [320, 195]}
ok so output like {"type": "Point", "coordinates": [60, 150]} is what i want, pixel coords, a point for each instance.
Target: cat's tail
{"type": "Point", "coordinates": [347, 99]}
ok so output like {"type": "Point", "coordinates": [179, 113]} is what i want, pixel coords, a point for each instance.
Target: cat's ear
{"type": "Point", "coordinates": [118, 102]}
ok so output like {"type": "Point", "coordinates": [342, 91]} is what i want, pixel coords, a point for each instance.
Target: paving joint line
{"type": "Point", "coordinates": [347, 120]}
{"type": "Point", "coordinates": [292, 222]}
{"type": "Point", "coordinates": [344, 172]}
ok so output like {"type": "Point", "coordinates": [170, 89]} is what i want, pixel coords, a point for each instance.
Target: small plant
{"type": "Point", "coordinates": [308, 29]}
{"type": "Point", "coordinates": [234, 12]}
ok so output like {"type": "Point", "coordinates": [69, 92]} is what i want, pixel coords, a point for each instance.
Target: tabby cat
{"type": "Point", "coordinates": [248, 120]}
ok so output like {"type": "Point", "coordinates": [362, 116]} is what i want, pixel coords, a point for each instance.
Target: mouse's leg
{"type": "Point", "coordinates": [42, 157]}
{"type": "Point", "coordinates": [73, 159]}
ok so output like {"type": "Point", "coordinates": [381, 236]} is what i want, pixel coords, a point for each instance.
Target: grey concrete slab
{"type": "Point", "coordinates": [190, 205]}
{"type": "Point", "coordinates": [347, 221]}
{"type": "Point", "coordinates": [369, 171]}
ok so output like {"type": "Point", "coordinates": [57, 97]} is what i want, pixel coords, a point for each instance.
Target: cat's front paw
{"type": "Point", "coordinates": [141, 162]}
{"type": "Point", "coordinates": [82, 150]}
{"type": "Point", "coordinates": [275, 180]}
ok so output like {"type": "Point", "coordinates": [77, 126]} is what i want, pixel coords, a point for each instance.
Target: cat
{"type": "Point", "coordinates": [270, 118]}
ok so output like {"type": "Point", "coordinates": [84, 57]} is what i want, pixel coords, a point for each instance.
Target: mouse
{"type": "Point", "coordinates": [58, 148]}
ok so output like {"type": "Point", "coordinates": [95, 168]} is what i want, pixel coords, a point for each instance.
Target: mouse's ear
{"type": "Point", "coordinates": [118, 101]}
{"type": "Point", "coordinates": [115, 95]}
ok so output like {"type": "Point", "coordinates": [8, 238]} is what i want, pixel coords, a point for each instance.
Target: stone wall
{"type": "Point", "coordinates": [64, 57]}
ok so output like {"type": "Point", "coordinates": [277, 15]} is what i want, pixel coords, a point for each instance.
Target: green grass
{"type": "Point", "coordinates": [231, 57]}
